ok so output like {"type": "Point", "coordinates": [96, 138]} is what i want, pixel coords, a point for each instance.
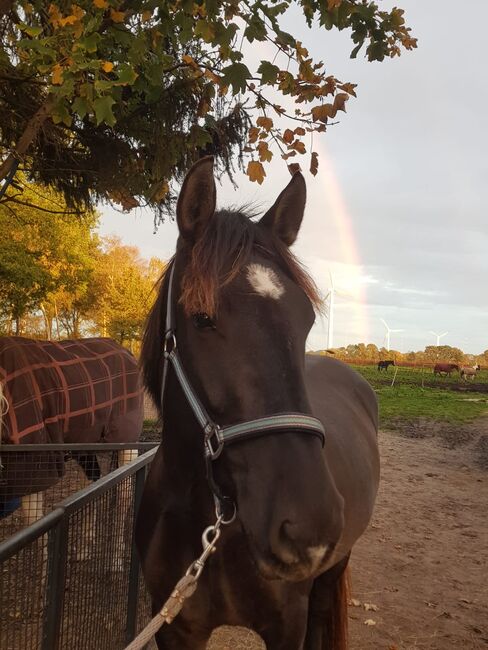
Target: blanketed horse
{"type": "Point", "coordinates": [80, 391]}
{"type": "Point", "coordinates": [469, 372]}
{"type": "Point", "coordinates": [445, 369]}
{"type": "Point", "coordinates": [384, 365]}
{"type": "Point", "coordinates": [301, 464]}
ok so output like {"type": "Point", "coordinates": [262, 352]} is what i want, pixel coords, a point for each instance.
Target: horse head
{"type": "Point", "coordinates": [244, 308]}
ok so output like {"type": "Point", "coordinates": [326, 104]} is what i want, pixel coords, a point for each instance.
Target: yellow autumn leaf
{"type": "Point", "coordinates": [54, 15]}
{"type": "Point", "coordinates": [314, 163]}
{"type": "Point", "coordinates": [340, 101]}
{"type": "Point", "coordinates": [265, 122]}
{"type": "Point", "coordinates": [288, 136]}
{"type": "Point", "coordinates": [146, 15]}
{"type": "Point", "coordinates": [107, 66]}
{"type": "Point", "coordinates": [57, 75]}
{"type": "Point", "coordinates": [189, 60]}
{"type": "Point", "coordinates": [369, 621]}
{"type": "Point", "coordinates": [117, 16]}
{"type": "Point", "coordinates": [255, 171]}
{"type": "Point", "coordinates": [265, 154]}
{"type": "Point", "coordinates": [100, 4]}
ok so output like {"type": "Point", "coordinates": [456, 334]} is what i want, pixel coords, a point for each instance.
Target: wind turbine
{"type": "Point", "coordinates": [388, 332]}
{"type": "Point", "coordinates": [330, 297]}
{"type": "Point", "coordinates": [439, 336]}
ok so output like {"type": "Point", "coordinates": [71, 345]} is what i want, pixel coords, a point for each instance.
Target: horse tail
{"type": "Point", "coordinates": [327, 627]}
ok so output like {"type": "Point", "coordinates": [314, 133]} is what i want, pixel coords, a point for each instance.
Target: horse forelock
{"type": "Point", "coordinates": [224, 250]}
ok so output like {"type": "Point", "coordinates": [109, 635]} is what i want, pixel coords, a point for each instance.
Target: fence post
{"type": "Point", "coordinates": [134, 568]}
{"type": "Point", "coordinates": [55, 587]}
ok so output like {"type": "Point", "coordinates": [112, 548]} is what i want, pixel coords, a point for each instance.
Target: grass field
{"type": "Point", "coordinates": [419, 394]}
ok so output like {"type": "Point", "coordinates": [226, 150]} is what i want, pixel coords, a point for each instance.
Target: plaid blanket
{"type": "Point", "coordinates": [86, 390]}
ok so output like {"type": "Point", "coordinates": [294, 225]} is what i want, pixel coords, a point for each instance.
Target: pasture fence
{"type": "Point", "coordinates": [71, 579]}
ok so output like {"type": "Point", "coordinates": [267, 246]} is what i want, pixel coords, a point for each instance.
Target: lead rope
{"type": "Point", "coordinates": [184, 588]}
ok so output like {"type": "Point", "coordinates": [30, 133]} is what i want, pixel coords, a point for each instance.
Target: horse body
{"type": "Point", "coordinates": [445, 369]}
{"type": "Point", "coordinates": [384, 365]}
{"type": "Point", "coordinates": [279, 568]}
{"type": "Point", "coordinates": [88, 390]}
{"type": "Point", "coordinates": [469, 372]}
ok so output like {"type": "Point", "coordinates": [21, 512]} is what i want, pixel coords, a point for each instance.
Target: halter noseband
{"type": "Point", "coordinates": [215, 436]}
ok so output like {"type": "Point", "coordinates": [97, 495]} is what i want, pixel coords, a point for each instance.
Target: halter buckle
{"type": "Point", "coordinates": [169, 343]}
{"type": "Point", "coordinates": [214, 442]}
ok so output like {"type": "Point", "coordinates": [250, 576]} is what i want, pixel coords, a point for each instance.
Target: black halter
{"type": "Point", "coordinates": [215, 436]}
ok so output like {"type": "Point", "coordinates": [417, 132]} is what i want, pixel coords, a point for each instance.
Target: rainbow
{"type": "Point", "coordinates": [336, 209]}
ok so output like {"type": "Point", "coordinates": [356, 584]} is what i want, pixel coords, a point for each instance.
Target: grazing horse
{"type": "Point", "coordinates": [469, 372]}
{"type": "Point", "coordinates": [287, 442]}
{"type": "Point", "coordinates": [445, 369]}
{"type": "Point", "coordinates": [87, 390]}
{"type": "Point", "coordinates": [384, 365]}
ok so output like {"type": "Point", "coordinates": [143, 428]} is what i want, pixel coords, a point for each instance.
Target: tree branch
{"type": "Point", "coordinates": [28, 136]}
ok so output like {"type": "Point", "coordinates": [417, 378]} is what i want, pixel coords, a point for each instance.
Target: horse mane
{"type": "Point", "coordinates": [222, 251]}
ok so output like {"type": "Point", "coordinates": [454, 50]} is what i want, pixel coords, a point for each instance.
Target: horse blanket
{"type": "Point", "coordinates": [68, 391]}
{"type": "Point", "coordinates": [85, 390]}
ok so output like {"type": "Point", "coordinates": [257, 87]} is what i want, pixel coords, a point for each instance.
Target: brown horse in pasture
{"type": "Point", "coordinates": [469, 372]}
{"type": "Point", "coordinates": [384, 365]}
{"type": "Point", "coordinates": [445, 369]}
{"type": "Point", "coordinates": [85, 390]}
{"type": "Point", "coordinates": [251, 427]}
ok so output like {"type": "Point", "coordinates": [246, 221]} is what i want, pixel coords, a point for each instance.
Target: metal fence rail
{"type": "Point", "coordinates": [71, 580]}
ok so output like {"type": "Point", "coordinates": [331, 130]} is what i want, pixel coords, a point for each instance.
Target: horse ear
{"type": "Point", "coordinates": [285, 216]}
{"type": "Point", "coordinates": [196, 203]}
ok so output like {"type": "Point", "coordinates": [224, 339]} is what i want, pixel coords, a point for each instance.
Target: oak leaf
{"type": "Point", "coordinates": [255, 171]}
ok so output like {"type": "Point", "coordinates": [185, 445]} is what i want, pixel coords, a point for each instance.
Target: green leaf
{"type": "Point", "coordinates": [81, 106]}
{"type": "Point", "coordinates": [89, 43]}
{"type": "Point", "coordinates": [31, 30]}
{"type": "Point", "coordinates": [103, 110]}
{"type": "Point", "coordinates": [205, 31]}
{"type": "Point", "coordinates": [268, 72]}
{"type": "Point", "coordinates": [126, 74]}
{"type": "Point", "coordinates": [235, 75]}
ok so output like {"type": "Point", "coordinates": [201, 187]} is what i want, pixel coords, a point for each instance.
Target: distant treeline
{"type": "Point", "coordinates": [367, 354]}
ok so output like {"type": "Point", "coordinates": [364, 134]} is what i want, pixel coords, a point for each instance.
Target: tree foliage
{"type": "Point", "coordinates": [42, 259]}
{"type": "Point", "coordinates": [59, 279]}
{"type": "Point", "coordinates": [112, 100]}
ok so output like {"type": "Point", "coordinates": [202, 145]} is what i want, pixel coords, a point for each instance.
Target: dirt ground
{"type": "Point", "coordinates": [420, 572]}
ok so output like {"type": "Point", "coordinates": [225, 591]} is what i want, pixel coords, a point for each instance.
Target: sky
{"type": "Point", "coordinates": [396, 217]}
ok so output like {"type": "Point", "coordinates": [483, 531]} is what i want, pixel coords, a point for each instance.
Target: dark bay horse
{"type": "Point", "coordinates": [384, 365]}
{"type": "Point", "coordinates": [235, 310]}
{"type": "Point", "coordinates": [445, 369]}
{"type": "Point", "coordinates": [85, 390]}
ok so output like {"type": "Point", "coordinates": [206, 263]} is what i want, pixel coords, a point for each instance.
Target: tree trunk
{"type": "Point", "coordinates": [47, 323]}
{"type": "Point", "coordinates": [5, 6]}
{"type": "Point", "coordinates": [29, 135]}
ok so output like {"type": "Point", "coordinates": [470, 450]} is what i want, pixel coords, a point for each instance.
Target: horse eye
{"type": "Point", "coordinates": [203, 321]}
